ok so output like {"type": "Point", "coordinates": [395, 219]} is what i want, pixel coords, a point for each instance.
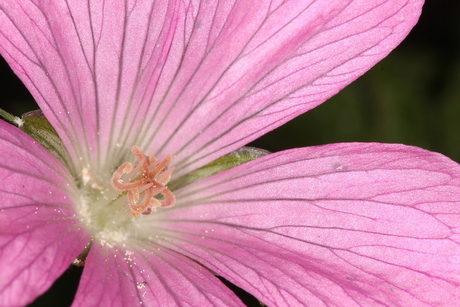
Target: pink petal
{"type": "Point", "coordinates": [89, 64]}
{"type": "Point", "coordinates": [334, 225]}
{"type": "Point", "coordinates": [197, 79]}
{"type": "Point", "coordinates": [145, 274]}
{"type": "Point", "coordinates": [40, 234]}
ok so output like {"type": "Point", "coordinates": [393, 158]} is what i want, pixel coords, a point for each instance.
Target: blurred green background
{"type": "Point", "coordinates": [411, 97]}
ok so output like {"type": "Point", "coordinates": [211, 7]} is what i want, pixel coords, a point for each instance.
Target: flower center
{"type": "Point", "coordinates": [107, 198]}
{"type": "Point", "coordinates": [145, 182]}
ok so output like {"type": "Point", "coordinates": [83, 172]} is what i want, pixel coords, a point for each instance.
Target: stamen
{"type": "Point", "coordinates": [145, 180]}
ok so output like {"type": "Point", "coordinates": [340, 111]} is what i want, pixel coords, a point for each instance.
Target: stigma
{"type": "Point", "coordinates": [145, 182]}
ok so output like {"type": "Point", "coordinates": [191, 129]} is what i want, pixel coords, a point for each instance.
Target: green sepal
{"type": "Point", "coordinates": [10, 118]}
{"type": "Point", "coordinates": [240, 156]}
{"type": "Point", "coordinates": [36, 125]}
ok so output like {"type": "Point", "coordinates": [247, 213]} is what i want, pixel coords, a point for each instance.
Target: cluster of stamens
{"type": "Point", "coordinates": [146, 179]}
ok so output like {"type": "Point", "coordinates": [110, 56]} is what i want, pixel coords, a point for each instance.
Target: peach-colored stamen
{"type": "Point", "coordinates": [147, 178]}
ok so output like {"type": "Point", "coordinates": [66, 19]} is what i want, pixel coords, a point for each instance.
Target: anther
{"type": "Point", "coordinates": [144, 181]}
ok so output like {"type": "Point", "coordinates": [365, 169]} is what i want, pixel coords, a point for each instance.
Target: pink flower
{"type": "Point", "coordinates": [334, 225]}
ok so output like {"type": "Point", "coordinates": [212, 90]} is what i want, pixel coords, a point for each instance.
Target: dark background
{"type": "Point", "coordinates": [411, 97]}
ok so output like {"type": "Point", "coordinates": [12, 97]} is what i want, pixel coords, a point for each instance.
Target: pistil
{"type": "Point", "coordinates": [144, 181]}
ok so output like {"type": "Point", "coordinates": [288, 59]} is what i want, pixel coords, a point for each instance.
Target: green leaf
{"type": "Point", "coordinates": [240, 156]}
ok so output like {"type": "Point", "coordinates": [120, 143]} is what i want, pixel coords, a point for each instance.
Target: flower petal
{"type": "Point", "coordinates": [197, 79]}
{"type": "Point", "coordinates": [265, 62]}
{"type": "Point", "coordinates": [334, 225]}
{"type": "Point", "coordinates": [40, 234]}
{"type": "Point", "coordinates": [88, 64]}
{"type": "Point", "coordinates": [148, 275]}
